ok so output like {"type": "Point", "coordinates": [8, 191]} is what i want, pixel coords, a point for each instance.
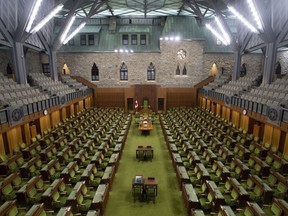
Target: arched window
{"type": "Point", "coordinates": [151, 72]}
{"type": "Point", "coordinates": [95, 72]}
{"type": "Point", "coordinates": [184, 71]}
{"type": "Point", "coordinates": [178, 69]}
{"type": "Point", "coordinates": [123, 72]}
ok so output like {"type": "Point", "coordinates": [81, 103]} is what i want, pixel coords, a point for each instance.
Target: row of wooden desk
{"type": "Point", "coordinates": [144, 188]}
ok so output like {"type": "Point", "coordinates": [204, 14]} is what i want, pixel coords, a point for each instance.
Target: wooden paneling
{"type": "Point", "coordinates": [55, 118]}
{"type": "Point", "coordinates": [268, 134]}
{"type": "Point", "coordinates": [146, 92]}
{"type": "Point", "coordinates": [2, 146]}
{"type": "Point", "coordinates": [14, 138]}
{"type": "Point", "coordinates": [177, 97]}
{"type": "Point", "coordinates": [244, 122]}
{"type": "Point", "coordinates": [162, 93]}
{"type": "Point", "coordinates": [72, 110]}
{"type": "Point", "coordinates": [63, 114]}
{"type": "Point", "coordinates": [285, 151]}
{"type": "Point", "coordinates": [218, 109]}
{"type": "Point", "coordinates": [235, 118]}
{"type": "Point", "coordinates": [276, 137]}
{"type": "Point", "coordinates": [208, 105]}
{"type": "Point", "coordinates": [45, 123]}
{"type": "Point", "coordinates": [27, 135]}
{"type": "Point", "coordinates": [110, 97]}
{"type": "Point", "coordinates": [129, 93]}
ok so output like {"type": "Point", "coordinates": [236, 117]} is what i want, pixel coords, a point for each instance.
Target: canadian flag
{"type": "Point", "coordinates": [136, 104]}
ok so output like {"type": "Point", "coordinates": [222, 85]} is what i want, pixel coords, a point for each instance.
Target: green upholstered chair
{"type": "Point", "coordinates": [280, 191]}
{"type": "Point", "coordinates": [15, 211]}
{"type": "Point", "coordinates": [83, 204]}
{"type": "Point", "coordinates": [137, 192]}
{"type": "Point", "coordinates": [274, 209]}
{"type": "Point", "coordinates": [17, 182]}
{"type": "Point", "coordinates": [150, 194]}
{"type": "Point", "coordinates": [201, 192]}
{"type": "Point", "coordinates": [232, 198]}
{"type": "Point", "coordinates": [256, 194]}
{"type": "Point", "coordinates": [87, 193]}
{"type": "Point", "coordinates": [53, 174]}
{"type": "Point", "coordinates": [206, 202]}
{"type": "Point", "coordinates": [8, 192]}
{"type": "Point", "coordinates": [41, 186]}
{"type": "Point", "coordinates": [74, 178]}
{"type": "Point", "coordinates": [58, 201]}
{"type": "Point", "coordinates": [33, 195]}
{"type": "Point", "coordinates": [94, 181]}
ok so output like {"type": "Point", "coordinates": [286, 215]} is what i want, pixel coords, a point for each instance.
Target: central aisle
{"type": "Point", "coordinates": [169, 201]}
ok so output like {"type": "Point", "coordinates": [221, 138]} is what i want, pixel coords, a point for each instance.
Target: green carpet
{"type": "Point", "coordinates": [169, 201]}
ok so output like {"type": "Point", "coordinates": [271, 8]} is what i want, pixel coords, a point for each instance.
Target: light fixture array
{"type": "Point", "coordinates": [33, 14]}
{"type": "Point", "coordinates": [255, 14]}
{"type": "Point", "coordinates": [225, 34]}
{"type": "Point", "coordinates": [123, 51]}
{"type": "Point", "coordinates": [74, 33]}
{"type": "Point", "coordinates": [242, 19]}
{"type": "Point", "coordinates": [66, 30]}
{"type": "Point", "coordinates": [47, 18]}
{"type": "Point", "coordinates": [217, 34]}
{"type": "Point", "coordinates": [170, 38]}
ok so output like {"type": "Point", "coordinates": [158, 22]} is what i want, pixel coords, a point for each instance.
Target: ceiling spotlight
{"type": "Point", "coordinates": [161, 38]}
{"type": "Point", "coordinates": [121, 50]}
{"type": "Point", "coordinates": [216, 34]}
{"type": "Point", "coordinates": [177, 38]}
{"type": "Point", "coordinates": [171, 38]}
{"type": "Point", "coordinates": [126, 51]}
{"type": "Point", "coordinates": [166, 38]}
{"type": "Point", "coordinates": [115, 50]}
{"type": "Point", "coordinates": [131, 51]}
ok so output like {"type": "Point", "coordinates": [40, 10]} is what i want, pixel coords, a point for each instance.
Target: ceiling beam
{"type": "Point", "coordinates": [283, 33]}
{"type": "Point", "coordinates": [5, 33]}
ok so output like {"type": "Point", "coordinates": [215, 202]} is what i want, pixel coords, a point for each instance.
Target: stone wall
{"type": "Point", "coordinates": [5, 58]}
{"type": "Point", "coordinates": [165, 63]}
{"type": "Point", "coordinates": [33, 62]}
{"type": "Point", "coordinates": [253, 62]}
{"type": "Point", "coordinates": [282, 57]}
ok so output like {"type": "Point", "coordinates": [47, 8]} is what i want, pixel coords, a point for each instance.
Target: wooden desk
{"type": "Point", "coordinates": [145, 125]}
{"type": "Point", "coordinates": [147, 152]}
{"type": "Point", "coordinates": [144, 184]}
{"type": "Point", "coordinates": [190, 198]}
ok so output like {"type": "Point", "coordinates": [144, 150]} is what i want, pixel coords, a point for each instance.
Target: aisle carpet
{"type": "Point", "coordinates": [169, 201]}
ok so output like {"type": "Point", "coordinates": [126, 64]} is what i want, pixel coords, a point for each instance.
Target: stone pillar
{"type": "Point", "coordinates": [237, 64]}
{"type": "Point", "coordinates": [53, 65]}
{"type": "Point", "coordinates": [269, 63]}
{"type": "Point", "coordinates": [19, 63]}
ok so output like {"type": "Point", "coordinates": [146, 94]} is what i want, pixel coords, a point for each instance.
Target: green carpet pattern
{"type": "Point", "coordinates": [169, 201]}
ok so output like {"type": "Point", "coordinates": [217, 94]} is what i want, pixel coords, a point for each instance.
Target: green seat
{"type": "Point", "coordinates": [256, 194]}
{"type": "Point", "coordinates": [273, 210]}
{"type": "Point", "coordinates": [8, 192]}
{"type": "Point", "coordinates": [280, 190]}
{"type": "Point", "coordinates": [151, 194]}
{"type": "Point", "coordinates": [83, 204]}
{"type": "Point", "coordinates": [15, 211]}
{"type": "Point", "coordinates": [33, 195]}
{"type": "Point", "coordinates": [137, 192]}
{"type": "Point", "coordinates": [17, 182]}
{"type": "Point", "coordinates": [206, 202]}
{"type": "Point", "coordinates": [40, 186]}
{"type": "Point", "coordinates": [53, 174]}
{"type": "Point", "coordinates": [58, 201]}
{"type": "Point", "coordinates": [232, 198]}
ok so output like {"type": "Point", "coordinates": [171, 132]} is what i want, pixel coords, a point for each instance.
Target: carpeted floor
{"type": "Point", "coordinates": [169, 200]}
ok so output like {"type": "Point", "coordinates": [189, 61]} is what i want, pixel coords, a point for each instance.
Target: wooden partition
{"type": "Point", "coordinates": [110, 97]}
{"type": "Point", "coordinates": [14, 138]}
{"type": "Point", "coordinates": [244, 122]}
{"type": "Point", "coordinates": [55, 118]}
{"type": "Point", "coordinates": [235, 119]}
{"type": "Point", "coordinates": [177, 97]}
{"type": "Point", "coordinates": [2, 145]}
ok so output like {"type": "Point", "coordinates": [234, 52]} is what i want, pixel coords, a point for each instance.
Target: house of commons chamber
{"type": "Point", "coordinates": [143, 107]}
